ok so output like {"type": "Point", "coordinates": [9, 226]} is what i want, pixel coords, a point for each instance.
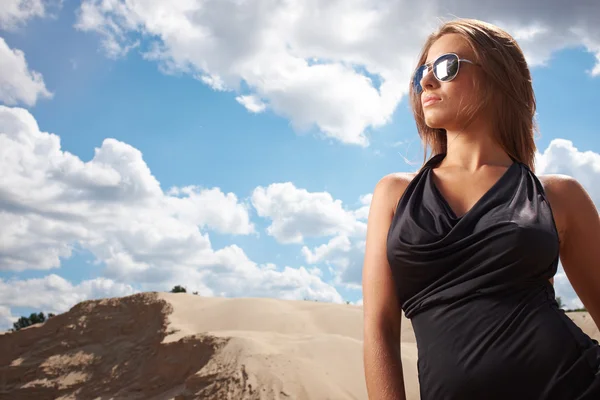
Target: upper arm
{"type": "Point", "coordinates": [580, 239]}
{"type": "Point", "coordinates": [382, 313]}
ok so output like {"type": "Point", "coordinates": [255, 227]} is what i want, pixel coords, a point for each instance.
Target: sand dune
{"type": "Point", "coordinates": [182, 346]}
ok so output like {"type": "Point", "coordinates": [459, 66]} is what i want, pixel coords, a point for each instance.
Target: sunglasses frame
{"type": "Point", "coordinates": [429, 65]}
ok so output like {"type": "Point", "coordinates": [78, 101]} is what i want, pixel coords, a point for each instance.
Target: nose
{"type": "Point", "coordinates": [428, 81]}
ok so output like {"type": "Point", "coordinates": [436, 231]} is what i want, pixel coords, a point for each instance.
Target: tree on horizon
{"type": "Point", "coordinates": [178, 289]}
{"type": "Point", "coordinates": [33, 319]}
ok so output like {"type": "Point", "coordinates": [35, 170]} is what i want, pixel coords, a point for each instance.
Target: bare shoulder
{"type": "Point", "coordinates": [568, 199]}
{"type": "Point", "coordinates": [562, 189]}
{"type": "Point", "coordinates": [391, 187]}
{"type": "Point", "coordinates": [555, 185]}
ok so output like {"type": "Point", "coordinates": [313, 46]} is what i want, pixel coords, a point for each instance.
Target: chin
{"type": "Point", "coordinates": [435, 122]}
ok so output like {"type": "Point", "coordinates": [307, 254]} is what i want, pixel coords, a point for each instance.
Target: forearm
{"type": "Point", "coordinates": [383, 369]}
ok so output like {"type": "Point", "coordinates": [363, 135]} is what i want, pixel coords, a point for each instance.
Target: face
{"type": "Point", "coordinates": [443, 102]}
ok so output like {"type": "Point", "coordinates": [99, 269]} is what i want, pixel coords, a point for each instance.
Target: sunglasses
{"type": "Point", "coordinates": [445, 68]}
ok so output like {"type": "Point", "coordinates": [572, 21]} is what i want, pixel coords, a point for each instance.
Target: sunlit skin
{"type": "Point", "coordinates": [472, 156]}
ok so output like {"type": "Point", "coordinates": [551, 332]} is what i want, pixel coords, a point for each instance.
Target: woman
{"type": "Point", "coordinates": [467, 247]}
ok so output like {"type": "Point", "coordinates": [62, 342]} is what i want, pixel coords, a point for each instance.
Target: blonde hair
{"type": "Point", "coordinates": [507, 85]}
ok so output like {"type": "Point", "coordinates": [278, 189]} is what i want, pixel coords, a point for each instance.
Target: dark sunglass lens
{"type": "Point", "coordinates": [446, 67]}
{"type": "Point", "coordinates": [419, 74]}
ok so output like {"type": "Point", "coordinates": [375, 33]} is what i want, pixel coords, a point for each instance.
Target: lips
{"type": "Point", "coordinates": [430, 99]}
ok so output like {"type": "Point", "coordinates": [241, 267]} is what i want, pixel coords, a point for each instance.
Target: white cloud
{"type": "Point", "coordinates": [338, 244]}
{"type": "Point", "coordinates": [211, 208]}
{"type": "Point", "coordinates": [297, 214]}
{"type": "Point", "coordinates": [343, 257]}
{"type": "Point", "coordinates": [15, 13]}
{"type": "Point", "coordinates": [215, 82]}
{"type": "Point", "coordinates": [19, 84]}
{"type": "Point", "coordinates": [53, 293]}
{"type": "Point", "coordinates": [90, 17]}
{"type": "Point", "coordinates": [339, 65]}
{"type": "Point", "coordinates": [112, 206]}
{"type": "Point", "coordinates": [363, 212]}
{"type": "Point", "coordinates": [274, 50]}
{"type": "Point", "coordinates": [237, 276]}
{"type": "Point", "coordinates": [252, 103]}
{"type": "Point", "coordinates": [6, 317]}
{"type": "Point", "coordinates": [562, 157]}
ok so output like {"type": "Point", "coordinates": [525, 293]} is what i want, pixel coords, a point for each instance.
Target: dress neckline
{"type": "Point", "coordinates": [435, 160]}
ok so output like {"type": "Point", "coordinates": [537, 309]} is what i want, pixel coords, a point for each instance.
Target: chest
{"type": "Point", "coordinates": [510, 225]}
{"type": "Point", "coordinates": [499, 244]}
{"type": "Point", "coordinates": [461, 190]}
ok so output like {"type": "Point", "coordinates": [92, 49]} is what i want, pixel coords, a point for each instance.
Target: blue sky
{"type": "Point", "coordinates": [282, 182]}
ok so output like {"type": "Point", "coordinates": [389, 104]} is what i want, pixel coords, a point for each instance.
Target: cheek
{"type": "Point", "coordinates": [460, 99]}
{"type": "Point", "coordinates": [463, 95]}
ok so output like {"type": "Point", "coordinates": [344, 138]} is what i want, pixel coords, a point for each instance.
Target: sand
{"type": "Point", "coordinates": [183, 346]}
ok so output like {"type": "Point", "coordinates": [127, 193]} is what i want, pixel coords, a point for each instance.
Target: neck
{"type": "Point", "coordinates": [474, 147]}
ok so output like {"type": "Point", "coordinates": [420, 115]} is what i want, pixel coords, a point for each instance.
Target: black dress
{"type": "Point", "coordinates": [477, 292]}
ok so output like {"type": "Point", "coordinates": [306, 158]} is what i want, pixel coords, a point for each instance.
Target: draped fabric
{"type": "Point", "coordinates": [476, 288]}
